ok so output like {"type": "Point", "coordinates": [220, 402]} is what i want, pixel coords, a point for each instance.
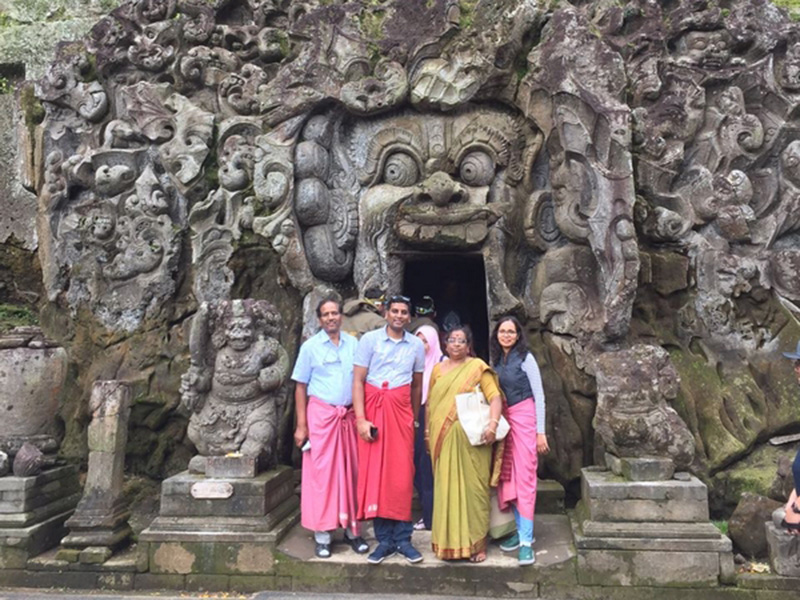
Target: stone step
{"type": "Point", "coordinates": [499, 575]}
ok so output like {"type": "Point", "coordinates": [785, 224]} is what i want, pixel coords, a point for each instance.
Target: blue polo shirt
{"type": "Point", "coordinates": [327, 369]}
{"type": "Point", "coordinates": [388, 360]}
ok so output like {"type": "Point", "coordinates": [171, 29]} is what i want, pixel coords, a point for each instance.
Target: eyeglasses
{"type": "Point", "coordinates": [456, 341]}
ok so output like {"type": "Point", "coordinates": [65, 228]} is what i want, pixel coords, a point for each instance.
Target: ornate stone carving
{"type": "Point", "coordinates": [234, 387]}
{"type": "Point", "coordinates": [565, 145]}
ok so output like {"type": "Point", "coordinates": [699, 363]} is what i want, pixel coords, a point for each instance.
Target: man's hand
{"type": "Point", "coordinates": [363, 426]}
{"type": "Point", "coordinates": [300, 435]}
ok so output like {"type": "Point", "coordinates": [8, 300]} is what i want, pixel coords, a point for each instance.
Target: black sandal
{"type": "Point", "coordinates": [790, 527]}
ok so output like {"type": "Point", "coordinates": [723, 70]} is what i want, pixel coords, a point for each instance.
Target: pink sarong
{"type": "Point", "coordinates": [520, 460]}
{"type": "Point", "coordinates": [386, 465]}
{"type": "Point", "coordinates": [330, 468]}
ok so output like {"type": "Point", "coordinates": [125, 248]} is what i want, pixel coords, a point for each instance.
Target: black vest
{"type": "Point", "coordinates": [513, 379]}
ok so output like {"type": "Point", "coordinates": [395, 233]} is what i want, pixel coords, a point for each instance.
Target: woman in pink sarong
{"type": "Point", "coordinates": [524, 408]}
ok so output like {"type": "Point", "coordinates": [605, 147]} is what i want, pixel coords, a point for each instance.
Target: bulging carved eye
{"type": "Point", "coordinates": [400, 169]}
{"type": "Point", "coordinates": [476, 169]}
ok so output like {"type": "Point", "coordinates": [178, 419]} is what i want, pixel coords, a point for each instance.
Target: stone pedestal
{"type": "Point", "coordinates": [647, 532]}
{"type": "Point", "coordinates": [784, 548]}
{"type": "Point", "coordinates": [221, 524]}
{"type": "Point", "coordinates": [33, 511]}
{"type": "Point", "coordinates": [100, 522]}
{"type": "Point", "coordinates": [32, 373]}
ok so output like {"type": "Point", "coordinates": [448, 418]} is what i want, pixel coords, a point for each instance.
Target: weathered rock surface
{"type": "Point", "coordinates": [627, 174]}
{"type": "Point", "coordinates": [746, 525]}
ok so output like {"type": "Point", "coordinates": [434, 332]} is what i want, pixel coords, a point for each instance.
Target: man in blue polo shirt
{"type": "Point", "coordinates": [387, 392]}
{"type": "Point", "coordinates": [326, 427]}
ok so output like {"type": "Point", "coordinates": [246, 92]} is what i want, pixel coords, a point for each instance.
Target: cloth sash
{"type": "Point", "coordinates": [330, 468]}
{"type": "Point", "coordinates": [520, 460]}
{"type": "Point", "coordinates": [386, 465]}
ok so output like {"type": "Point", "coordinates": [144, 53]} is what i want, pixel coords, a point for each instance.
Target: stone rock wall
{"type": "Point", "coordinates": [628, 173]}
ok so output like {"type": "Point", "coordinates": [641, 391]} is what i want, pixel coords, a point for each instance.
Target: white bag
{"type": "Point", "coordinates": [474, 416]}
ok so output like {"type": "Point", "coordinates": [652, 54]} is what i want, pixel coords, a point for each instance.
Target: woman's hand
{"type": "Point", "coordinates": [542, 447]}
{"type": "Point", "coordinates": [490, 434]}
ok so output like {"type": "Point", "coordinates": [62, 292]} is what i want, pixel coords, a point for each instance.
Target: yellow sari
{"type": "Point", "coordinates": [461, 472]}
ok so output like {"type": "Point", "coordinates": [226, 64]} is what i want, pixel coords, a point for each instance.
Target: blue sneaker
{"type": "Point", "coordinates": [526, 556]}
{"type": "Point", "coordinates": [412, 554]}
{"type": "Point", "coordinates": [510, 544]}
{"type": "Point", "coordinates": [380, 553]}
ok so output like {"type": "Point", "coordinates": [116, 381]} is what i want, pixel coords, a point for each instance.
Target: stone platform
{"type": "Point", "coordinates": [33, 511]}
{"type": "Point", "coordinates": [645, 533]}
{"type": "Point", "coordinates": [555, 576]}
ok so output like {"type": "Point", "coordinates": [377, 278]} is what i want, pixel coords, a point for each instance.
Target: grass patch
{"type": "Point", "coordinates": [16, 316]}
{"type": "Point", "coordinates": [722, 526]}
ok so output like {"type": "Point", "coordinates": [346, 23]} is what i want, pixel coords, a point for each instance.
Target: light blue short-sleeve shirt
{"type": "Point", "coordinates": [326, 368]}
{"type": "Point", "coordinates": [388, 360]}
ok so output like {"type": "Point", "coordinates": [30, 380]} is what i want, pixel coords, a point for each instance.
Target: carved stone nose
{"type": "Point", "coordinates": [440, 189]}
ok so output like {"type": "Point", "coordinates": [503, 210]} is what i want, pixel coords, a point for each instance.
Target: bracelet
{"type": "Point", "coordinates": [494, 431]}
{"type": "Point", "coordinates": [494, 421]}
{"type": "Point", "coordinates": [361, 418]}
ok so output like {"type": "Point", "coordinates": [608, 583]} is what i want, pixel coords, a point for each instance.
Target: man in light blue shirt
{"type": "Point", "coordinates": [326, 431]}
{"type": "Point", "coordinates": [387, 392]}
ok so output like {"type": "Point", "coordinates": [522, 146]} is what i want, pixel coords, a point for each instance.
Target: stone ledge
{"type": "Point", "coordinates": [755, 581]}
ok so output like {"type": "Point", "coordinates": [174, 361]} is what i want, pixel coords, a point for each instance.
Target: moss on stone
{"type": "Point", "coordinates": [467, 18]}
{"type": "Point", "coordinates": [701, 403]}
{"type": "Point", "coordinates": [32, 109]}
{"type": "Point", "coordinates": [371, 21]}
{"type": "Point", "coordinates": [12, 315]}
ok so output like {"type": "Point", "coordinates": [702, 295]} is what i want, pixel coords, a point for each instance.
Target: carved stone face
{"type": "Point", "coordinates": [240, 333]}
{"type": "Point", "coordinates": [707, 49]}
{"type": "Point", "coordinates": [424, 181]}
{"type": "Point", "coordinates": [790, 162]}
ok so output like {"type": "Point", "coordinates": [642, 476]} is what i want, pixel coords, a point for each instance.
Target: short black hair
{"type": "Point", "coordinates": [398, 299]}
{"type": "Point", "coordinates": [324, 301]}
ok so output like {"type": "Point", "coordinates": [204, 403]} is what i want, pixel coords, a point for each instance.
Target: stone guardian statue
{"type": "Point", "coordinates": [234, 386]}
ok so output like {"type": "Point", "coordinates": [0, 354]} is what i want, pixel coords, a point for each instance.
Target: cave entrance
{"type": "Point", "coordinates": [457, 284]}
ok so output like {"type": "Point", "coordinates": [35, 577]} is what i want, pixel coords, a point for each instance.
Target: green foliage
{"type": "Point", "coordinates": [722, 526]}
{"type": "Point", "coordinates": [5, 20]}
{"type": "Point", "coordinates": [15, 316]}
{"type": "Point", "coordinates": [6, 87]}
{"type": "Point", "coordinates": [467, 8]}
{"type": "Point", "coordinates": [792, 6]}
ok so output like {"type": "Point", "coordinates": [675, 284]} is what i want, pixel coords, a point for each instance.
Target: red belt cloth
{"type": "Point", "coordinates": [520, 460]}
{"type": "Point", "coordinates": [386, 465]}
{"type": "Point", "coordinates": [330, 468]}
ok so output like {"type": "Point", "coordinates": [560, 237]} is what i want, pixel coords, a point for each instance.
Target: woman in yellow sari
{"type": "Point", "coordinates": [461, 472]}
